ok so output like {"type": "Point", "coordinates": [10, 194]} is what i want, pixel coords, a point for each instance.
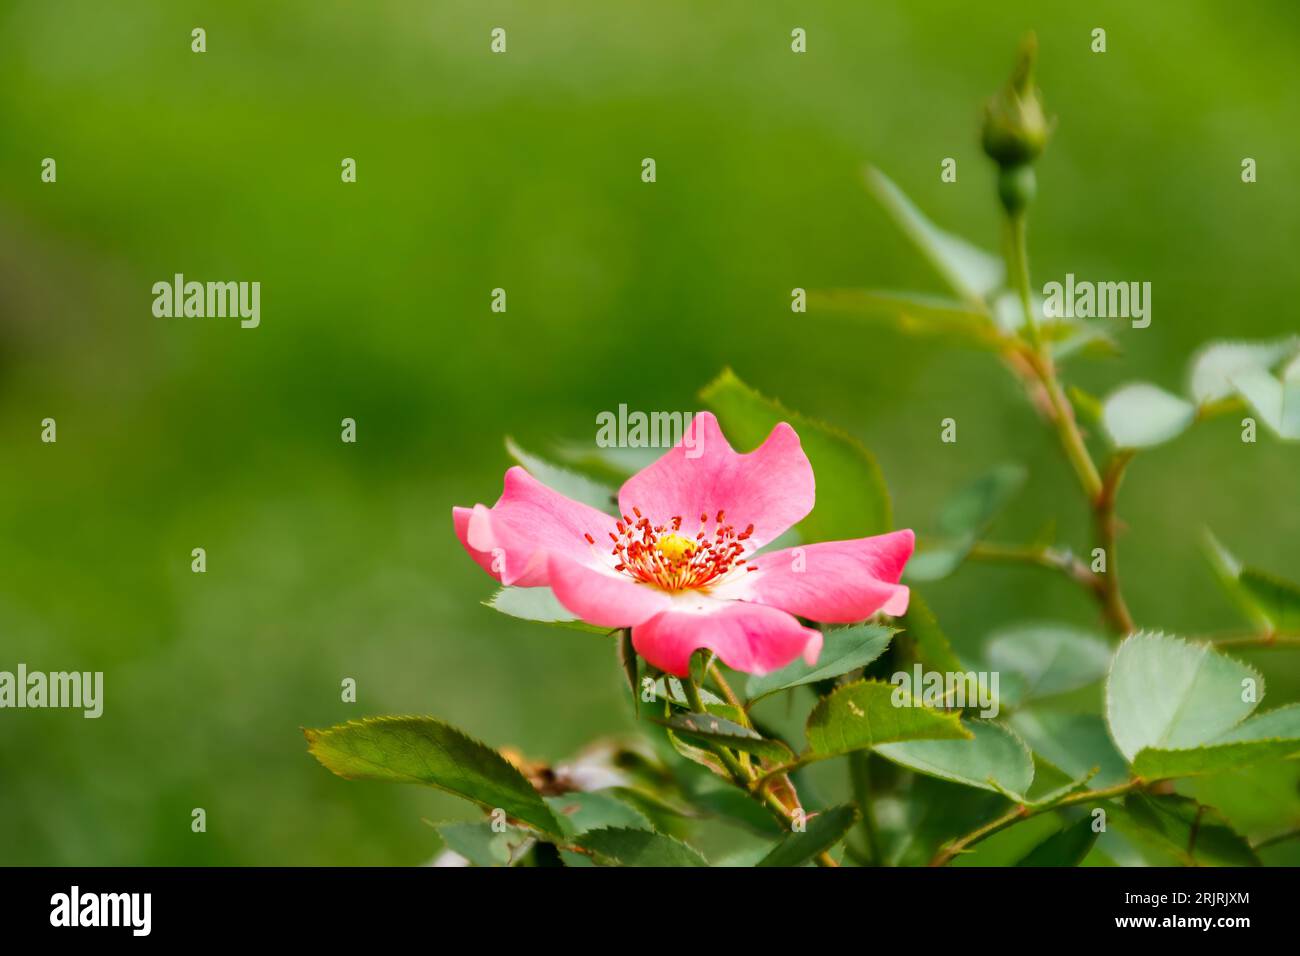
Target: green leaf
{"type": "Point", "coordinates": [717, 730]}
{"type": "Point", "coordinates": [428, 751]}
{"type": "Point", "coordinates": [994, 759]}
{"type": "Point", "coordinates": [862, 715]}
{"type": "Point", "coordinates": [1268, 736]}
{"type": "Point", "coordinates": [932, 646]}
{"type": "Point", "coordinates": [1227, 570]}
{"type": "Point", "coordinates": [1086, 404]}
{"type": "Point", "coordinates": [566, 482]}
{"type": "Point", "coordinates": [1075, 743]}
{"type": "Point", "coordinates": [973, 508]}
{"type": "Point", "coordinates": [1066, 847]}
{"type": "Point", "coordinates": [538, 604]}
{"type": "Point", "coordinates": [970, 271]}
{"type": "Point", "coordinates": [928, 814]}
{"type": "Point", "coordinates": [1141, 416]}
{"type": "Point", "coordinates": [1276, 399]}
{"type": "Point", "coordinates": [1040, 660]}
{"type": "Point", "coordinates": [1215, 366]}
{"type": "Point", "coordinates": [912, 314]}
{"type": "Point", "coordinates": [965, 519]}
{"type": "Point", "coordinates": [852, 500]}
{"type": "Point", "coordinates": [628, 661]}
{"type": "Point", "coordinates": [479, 843]}
{"type": "Point", "coordinates": [821, 832]}
{"type": "Point", "coordinates": [619, 846]}
{"type": "Point", "coordinates": [1165, 693]}
{"type": "Point", "coordinates": [844, 649]}
{"type": "Point", "coordinates": [579, 812]}
{"type": "Point", "coordinates": [1278, 600]}
{"type": "Point", "coordinates": [1007, 847]}
{"type": "Point", "coordinates": [1188, 832]}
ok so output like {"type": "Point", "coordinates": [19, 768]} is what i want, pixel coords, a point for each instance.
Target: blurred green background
{"type": "Point", "coordinates": [328, 560]}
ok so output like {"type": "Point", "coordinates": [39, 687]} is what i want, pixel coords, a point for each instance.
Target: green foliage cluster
{"type": "Point", "coordinates": [1087, 757]}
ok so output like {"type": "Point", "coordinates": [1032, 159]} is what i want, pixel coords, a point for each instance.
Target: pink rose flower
{"type": "Point", "coordinates": [682, 566]}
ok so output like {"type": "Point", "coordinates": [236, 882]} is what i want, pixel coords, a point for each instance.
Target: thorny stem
{"type": "Point", "coordinates": [1267, 639]}
{"type": "Point", "coordinates": [1043, 557]}
{"type": "Point", "coordinates": [715, 672]}
{"type": "Point", "coordinates": [1024, 812]}
{"type": "Point", "coordinates": [1099, 491]}
{"type": "Point", "coordinates": [744, 776]}
{"type": "Point", "coordinates": [1107, 525]}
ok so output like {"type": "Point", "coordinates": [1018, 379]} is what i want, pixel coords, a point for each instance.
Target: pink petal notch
{"type": "Point", "coordinates": [771, 488]}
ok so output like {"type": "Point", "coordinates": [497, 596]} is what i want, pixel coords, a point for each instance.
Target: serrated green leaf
{"type": "Point", "coordinates": [844, 649]}
{"type": "Point", "coordinates": [479, 843]}
{"type": "Point", "coordinates": [993, 758]}
{"type": "Point", "coordinates": [1040, 660]}
{"type": "Point", "coordinates": [821, 832]}
{"type": "Point", "coordinates": [717, 730]}
{"type": "Point", "coordinates": [619, 846]}
{"type": "Point", "coordinates": [427, 751]}
{"type": "Point", "coordinates": [538, 604]}
{"type": "Point", "coordinates": [1140, 415]}
{"type": "Point", "coordinates": [1075, 743]}
{"type": "Point", "coordinates": [863, 714]}
{"type": "Point", "coordinates": [1165, 693]}
{"type": "Point", "coordinates": [852, 500]}
{"type": "Point", "coordinates": [737, 807]}
{"type": "Point", "coordinates": [1268, 736]}
{"type": "Point", "coordinates": [579, 812]}
{"type": "Point", "coordinates": [1067, 847]}
{"type": "Point", "coordinates": [970, 271]}
{"type": "Point", "coordinates": [566, 482]}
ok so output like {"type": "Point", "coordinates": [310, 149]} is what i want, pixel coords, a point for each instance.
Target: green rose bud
{"type": "Point", "coordinates": [1015, 126]}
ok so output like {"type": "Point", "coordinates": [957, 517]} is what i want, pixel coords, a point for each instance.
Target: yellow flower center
{"type": "Point", "coordinates": [674, 547]}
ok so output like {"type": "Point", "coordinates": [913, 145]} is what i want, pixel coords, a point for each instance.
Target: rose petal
{"type": "Point", "coordinates": [748, 637]}
{"type": "Point", "coordinates": [771, 487]}
{"type": "Point", "coordinates": [512, 539]}
{"type": "Point", "coordinates": [602, 596]}
{"type": "Point", "coordinates": [833, 581]}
